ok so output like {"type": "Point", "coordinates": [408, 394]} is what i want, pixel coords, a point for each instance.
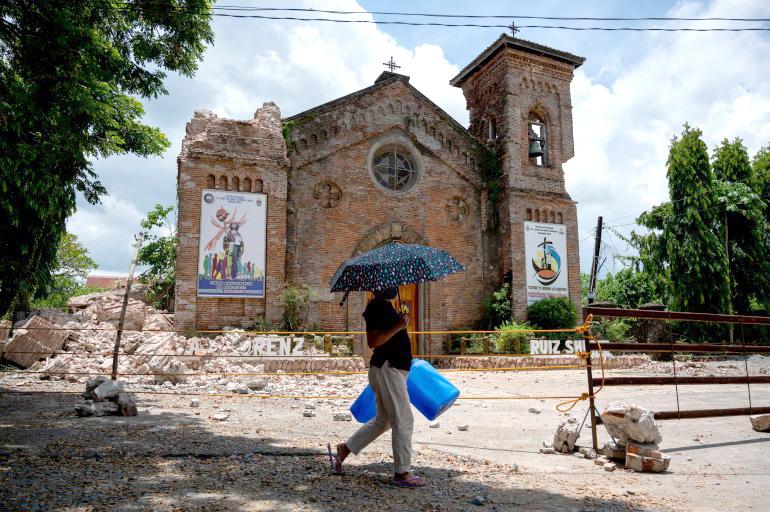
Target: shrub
{"type": "Point", "coordinates": [497, 307]}
{"type": "Point", "coordinates": [514, 340]}
{"type": "Point", "coordinates": [553, 313]}
{"type": "Point", "coordinates": [613, 330]}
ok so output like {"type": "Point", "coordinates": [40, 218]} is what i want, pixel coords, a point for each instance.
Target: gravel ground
{"type": "Point", "coordinates": [267, 456]}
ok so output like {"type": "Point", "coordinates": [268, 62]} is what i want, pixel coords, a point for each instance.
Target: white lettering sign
{"type": "Point", "coordinates": [552, 347]}
{"type": "Point", "coordinates": [273, 347]}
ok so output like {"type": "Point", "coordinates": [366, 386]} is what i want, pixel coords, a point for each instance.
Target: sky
{"type": "Point", "coordinates": [632, 95]}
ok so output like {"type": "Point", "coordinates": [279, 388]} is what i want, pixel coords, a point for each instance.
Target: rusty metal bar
{"type": "Point", "coordinates": [710, 413]}
{"type": "Point", "coordinates": [644, 314]}
{"type": "Point", "coordinates": [679, 347]}
{"type": "Point", "coordinates": [656, 381]}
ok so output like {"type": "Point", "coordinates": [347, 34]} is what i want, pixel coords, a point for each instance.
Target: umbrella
{"type": "Point", "coordinates": [391, 266]}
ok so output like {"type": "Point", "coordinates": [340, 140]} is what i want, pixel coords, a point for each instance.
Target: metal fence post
{"type": "Point", "coordinates": [591, 404]}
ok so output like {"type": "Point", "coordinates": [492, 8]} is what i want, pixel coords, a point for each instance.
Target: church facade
{"type": "Point", "coordinates": [273, 202]}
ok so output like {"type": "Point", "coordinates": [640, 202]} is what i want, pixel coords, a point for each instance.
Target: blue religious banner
{"type": "Point", "coordinates": [233, 237]}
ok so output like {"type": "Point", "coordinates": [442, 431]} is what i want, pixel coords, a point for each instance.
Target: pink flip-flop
{"type": "Point", "coordinates": [334, 461]}
{"type": "Point", "coordinates": [411, 483]}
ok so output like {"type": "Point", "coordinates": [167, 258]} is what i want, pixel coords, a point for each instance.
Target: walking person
{"type": "Point", "coordinates": [388, 371]}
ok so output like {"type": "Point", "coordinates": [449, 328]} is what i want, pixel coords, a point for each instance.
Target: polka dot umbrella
{"type": "Point", "coordinates": [391, 266]}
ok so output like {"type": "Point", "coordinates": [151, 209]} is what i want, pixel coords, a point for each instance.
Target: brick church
{"type": "Point", "coordinates": [272, 201]}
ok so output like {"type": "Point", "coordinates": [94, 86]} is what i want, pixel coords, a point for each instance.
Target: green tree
{"type": "Point", "coordinates": [159, 252]}
{"type": "Point", "coordinates": [743, 216]}
{"type": "Point", "coordinates": [694, 249]}
{"type": "Point", "coordinates": [70, 76]}
{"type": "Point", "coordinates": [627, 288]}
{"type": "Point", "coordinates": [71, 268]}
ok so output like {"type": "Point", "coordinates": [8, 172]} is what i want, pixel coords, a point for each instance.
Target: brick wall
{"type": "Point", "coordinates": [249, 156]}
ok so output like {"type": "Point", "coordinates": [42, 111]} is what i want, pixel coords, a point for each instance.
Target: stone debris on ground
{"type": "Point", "coordinates": [195, 402]}
{"type": "Point", "coordinates": [220, 417]}
{"type": "Point", "coordinates": [462, 427]}
{"type": "Point", "coordinates": [106, 397]}
{"type": "Point", "coordinates": [588, 453]}
{"type": "Point", "coordinates": [76, 347]}
{"type": "Point", "coordinates": [610, 466]}
{"type": "Point", "coordinates": [625, 421]}
{"type": "Point", "coordinates": [760, 422]}
{"type": "Point", "coordinates": [35, 339]}
{"type": "Point", "coordinates": [434, 424]}
{"type": "Point", "coordinates": [612, 451]}
{"type": "Point", "coordinates": [308, 413]}
{"type": "Point", "coordinates": [566, 436]}
{"type": "Point", "coordinates": [342, 416]}
{"type": "Point", "coordinates": [535, 410]}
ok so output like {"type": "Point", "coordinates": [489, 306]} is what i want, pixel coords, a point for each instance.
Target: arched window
{"type": "Point", "coordinates": [258, 186]}
{"type": "Point", "coordinates": [211, 181]}
{"type": "Point", "coordinates": [222, 183]}
{"type": "Point", "coordinates": [235, 182]}
{"type": "Point", "coordinates": [537, 140]}
{"type": "Point", "coordinates": [246, 187]}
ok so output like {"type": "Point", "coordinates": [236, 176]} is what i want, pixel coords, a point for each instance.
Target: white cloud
{"type": "Point", "coordinates": [717, 82]}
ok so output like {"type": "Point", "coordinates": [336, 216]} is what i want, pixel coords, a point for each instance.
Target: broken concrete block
{"type": "Point", "coordinates": [126, 404]}
{"type": "Point", "coordinates": [644, 450]}
{"type": "Point", "coordinates": [565, 437]}
{"type": "Point", "coordinates": [462, 428]}
{"type": "Point", "coordinates": [107, 389]}
{"type": "Point", "coordinates": [640, 464]}
{"type": "Point", "coordinates": [547, 451]}
{"type": "Point", "coordinates": [601, 461]}
{"type": "Point", "coordinates": [195, 402]}
{"type": "Point", "coordinates": [237, 387]}
{"type": "Point", "coordinates": [308, 413]}
{"type": "Point", "coordinates": [613, 451]}
{"type": "Point", "coordinates": [342, 416]}
{"type": "Point", "coordinates": [93, 384]}
{"type": "Point", "coordinates": [610, 466]}
{"type": "Point", "coordinates": [586, 452]}
{"type": "Point", "coordinates": [760, 422]}
{"type": "Point", "coordinates": [256, 385]}
{"type": "Point", "coordinates": [578, 455]}
{"type": "Point", "coordinates": [219, 417]}
{"type": "Point", "coordinates": [37, 339]}
{"type": "Point", "coordinates": [434, 424]}
{"type": "Point", "coordinates": [625, 421]}
{"type": "Point", "coordinates": [91, 408]}
{"type": "Point", "coordinates": [535, 410]}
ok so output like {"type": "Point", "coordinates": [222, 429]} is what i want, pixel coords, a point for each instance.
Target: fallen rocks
{"type": "Point", "coordinates": [644, 450]}
{"type": "Point", "coordinates": [639, 463]}
{"type": "Point", "coordinates": [117, 401]}
{"type": "Point", "coordinates": [565, 437]}
{"type": "Point", "coordinates": [462, 427]}
{"type": "Point", "coordinates": [613, 451]}
{"type": "Point", "coordinates": [342, 416]}
{"type": "Point", "coordinates": [126, 404]}
{"type": "Point", "coordinates": [195, 402]}
{"type": "Point", "coordinates": [547, 451]}
{"type": "Point", "coordinates": [610, 466]}
{"type": "Point", "coordinates": [36, 340]}
{"type": "Point", "coordinates": [760, 422]}
{"type": "Point", "coordinates": [535, 410]}
{"type": "Point", "coordinates": [220, 417]}
{"type": "Point", "coordinates": [107, 389]}
{"type": "Point", "coordinates": [434, 424]}
{"type": "Point", "coordinates": [588, 453]}
{"type": "Point", "coordinates": [91, 408]}
{"type": "Point", "coordinates": [308, 413]}
{"type": "Point", "coordinates": [625, 421]}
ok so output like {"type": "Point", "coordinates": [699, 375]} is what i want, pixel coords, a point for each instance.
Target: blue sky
{"type": "Point", "coordinates": [634, 93]}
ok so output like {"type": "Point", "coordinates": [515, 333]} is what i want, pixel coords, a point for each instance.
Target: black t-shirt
{"type": "Point", "coordinates": [380, 315]}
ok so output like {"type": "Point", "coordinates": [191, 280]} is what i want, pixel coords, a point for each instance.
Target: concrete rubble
{"type": "Point", "coordinates": [760, 422]}
{"type": "Point", "coordinates": [106, 397]}
{"type": "Point", "coordinates": [76, 347]}
{"type": "Point", "coordinates": [626, 422]}
{"type": "Point", "coordinates": [566, 436]}
{"type": "Point", "coordinates": [36, 339]}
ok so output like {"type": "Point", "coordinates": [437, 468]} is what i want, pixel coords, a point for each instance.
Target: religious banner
{"type": "Point", "coordinates": [231, 254]}
{"type": "Point", "coordinates": [545, 253]}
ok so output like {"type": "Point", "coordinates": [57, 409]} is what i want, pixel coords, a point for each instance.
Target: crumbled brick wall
{"type": "Point", "coordinates": [214, 153]}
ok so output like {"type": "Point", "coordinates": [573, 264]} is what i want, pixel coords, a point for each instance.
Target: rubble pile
{"type": "Point", "coordinates": [77, 346]}
{"type": "Point", "coordinates": [106, 397]}
{"type": "Point", "coordinates": [760, 422]}
{"type": "Point", "coordinates": [637, 437]}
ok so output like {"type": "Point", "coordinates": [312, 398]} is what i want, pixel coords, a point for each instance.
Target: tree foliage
{"type": "Point", "coordinates": [72, 266]}
{"type": "Point", "coordinates": [159, 252]}
{"type": "Point", "coordinates": [70, 76]}
{"type": "Point", "coordinates": [552, 313]}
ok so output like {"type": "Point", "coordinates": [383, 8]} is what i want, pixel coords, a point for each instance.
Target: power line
{"type": "Point", "coordinates": [229, 12]}
{"type": "Point", "coordinates": [482, 16]}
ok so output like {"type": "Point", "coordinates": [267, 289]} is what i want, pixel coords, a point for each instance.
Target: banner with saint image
{"type": "Point", "coordinates": [545, 250]}
{"type": "Point", "coordinates": [233, 237]}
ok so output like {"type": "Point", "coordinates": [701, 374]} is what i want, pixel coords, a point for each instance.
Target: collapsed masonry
{"type": "Point", "coordinates": [76, 347]}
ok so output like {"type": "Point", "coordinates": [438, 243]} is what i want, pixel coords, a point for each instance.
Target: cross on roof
{"type": "Point", "coordinates": [513, 28]}
{"type": "Point", "coordinates": [391, 64]}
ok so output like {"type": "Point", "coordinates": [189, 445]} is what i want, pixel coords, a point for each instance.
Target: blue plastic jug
{"type": "Point", "coordinates": [429, 392]}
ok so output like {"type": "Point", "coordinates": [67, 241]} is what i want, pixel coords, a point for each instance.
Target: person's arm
{"type": "Point", "coordinates": [377, 338]}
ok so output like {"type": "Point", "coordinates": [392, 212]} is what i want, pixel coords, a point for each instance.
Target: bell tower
{"type": "Point", "coordinates": [518, 95]}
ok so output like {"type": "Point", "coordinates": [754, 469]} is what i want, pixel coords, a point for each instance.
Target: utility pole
{"type": "Point", "coordinates": [137, 245]}
{"type": "Point", "coordinates": [595, 262]}
{"type": "Point", "coordinates": [729, 285]}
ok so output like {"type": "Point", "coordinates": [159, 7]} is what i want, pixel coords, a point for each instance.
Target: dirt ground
{"type": "Point", "coordinates": [267, 456]}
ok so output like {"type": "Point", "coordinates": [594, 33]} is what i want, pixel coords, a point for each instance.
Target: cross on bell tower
{"type": "Point", "coordinates": [391, 64]}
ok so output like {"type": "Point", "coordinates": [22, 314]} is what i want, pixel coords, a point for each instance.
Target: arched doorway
{"type": "Point", "coordinates": [413, 296]}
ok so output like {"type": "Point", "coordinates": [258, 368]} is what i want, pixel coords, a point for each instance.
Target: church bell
{"type": "Point", "coordinates": [536, 148]}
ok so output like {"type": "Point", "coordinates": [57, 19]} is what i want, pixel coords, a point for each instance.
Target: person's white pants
{"type": "Point", "coordinates": [393, 412]}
